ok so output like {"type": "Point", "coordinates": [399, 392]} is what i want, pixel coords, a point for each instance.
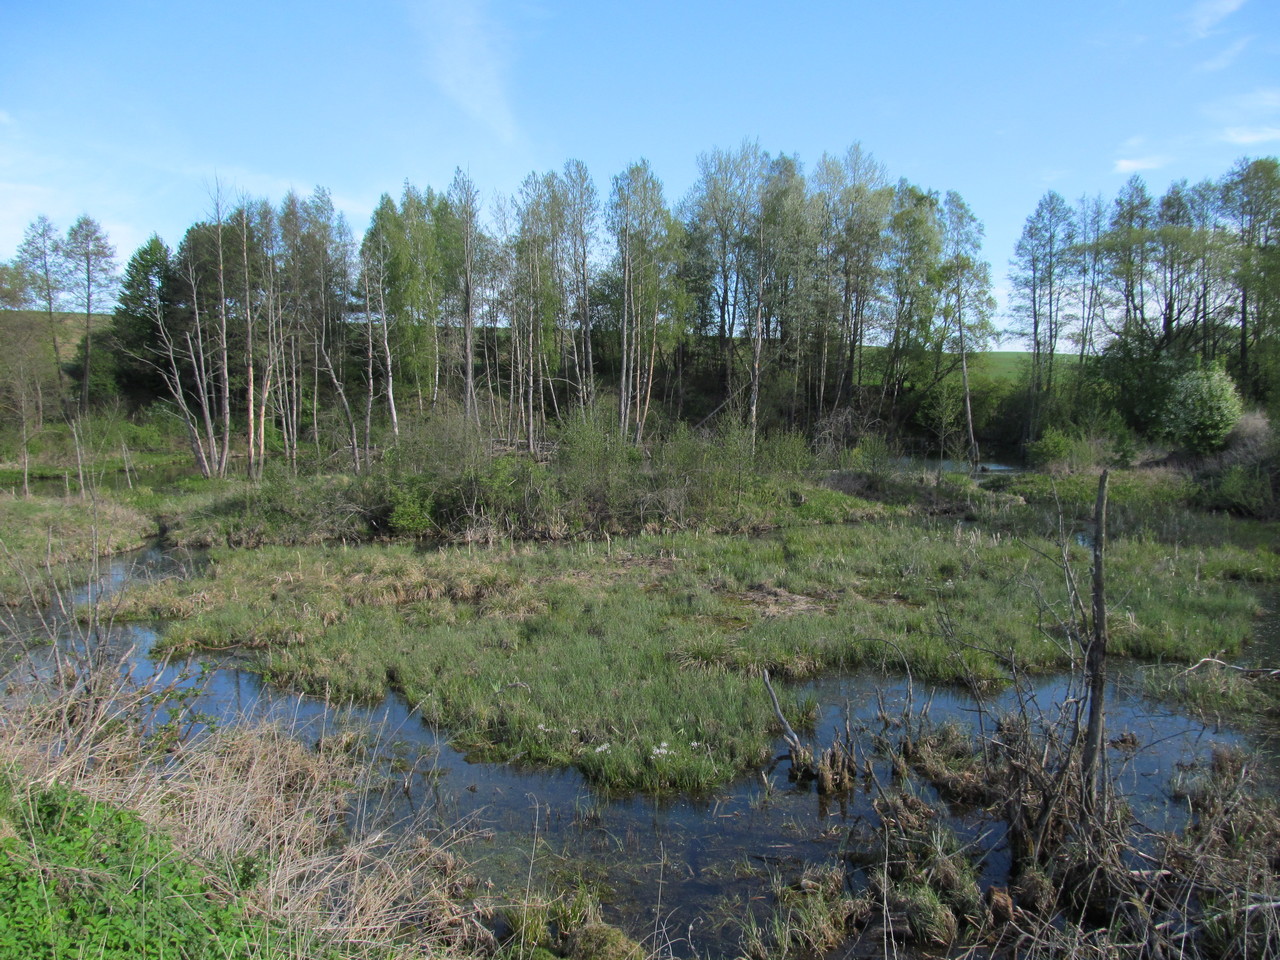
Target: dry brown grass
{"type": "Point", "coordinates": [300, 830]}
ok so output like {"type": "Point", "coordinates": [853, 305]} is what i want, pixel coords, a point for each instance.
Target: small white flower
{"type": "Point", "coordinates": [602, 748]}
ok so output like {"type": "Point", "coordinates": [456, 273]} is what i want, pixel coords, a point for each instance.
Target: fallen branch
{"type": "Point", "coordinates": [800, 757]}
{"type": "Point", "coordinates": [1251, 673]}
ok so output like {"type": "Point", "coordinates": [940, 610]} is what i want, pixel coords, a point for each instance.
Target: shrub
{"type": "Point", "coordinates": [1202, 409]}
{"type": "Point", "coordinates": [1053, 447]}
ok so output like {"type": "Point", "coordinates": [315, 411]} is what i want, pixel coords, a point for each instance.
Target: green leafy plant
{"type": "Point", "coordinates": [83, 878]}
{"type": "Point", "coordinates": [1202, 408]}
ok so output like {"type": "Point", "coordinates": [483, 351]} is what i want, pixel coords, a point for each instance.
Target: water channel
{"type": "Point", "coordinates": [679, 872]}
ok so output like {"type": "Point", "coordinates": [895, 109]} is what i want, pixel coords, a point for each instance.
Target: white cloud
{"type": "Point", "coordinates": [1260, 102]}
{"type": "Point", "coordinates": [6, 117]}
{"type": "Point", "coordinates": [1247, 136]}
{"type": "Point", "coordinates": [467, 60]}
{"type": "Point", "coordinates": [1225, 58]}
{"type": "Point", "coordinates": [1136, 164]}
{"type": "Point", "coordinates": [1207, 14]}
{"type": "Point", "coordinates": [1247, 118]}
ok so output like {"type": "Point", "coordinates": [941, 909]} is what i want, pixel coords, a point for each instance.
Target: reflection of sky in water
{"type": "Point", "coordinates": [690, 865]}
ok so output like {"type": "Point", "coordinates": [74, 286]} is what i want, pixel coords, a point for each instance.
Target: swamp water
{"type": "Point", "coordinates": [683, 873]}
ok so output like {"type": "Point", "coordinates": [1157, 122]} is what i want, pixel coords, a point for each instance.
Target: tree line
{"type": "Point", "coordinates": [1114, 300]}
{"type": "Point", "coordinates": [832, 301]}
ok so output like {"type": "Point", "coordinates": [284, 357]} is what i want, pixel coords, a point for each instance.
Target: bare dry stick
{"type": "Point", "coordinates": [788, 733]}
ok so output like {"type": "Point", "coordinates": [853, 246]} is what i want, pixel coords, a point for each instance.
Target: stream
{"type": "Point", "coordinates": [679, 872]}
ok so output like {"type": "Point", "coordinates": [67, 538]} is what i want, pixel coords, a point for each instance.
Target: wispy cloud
{"type": "Point", "coordinates": [1248, 136]}
{"type": "Point", "coordinates": [1207, 14]}
{"type": "Point", "coordinates": [1137, 164]}
{"type": "Point", "coordinates": [1225, 58]}
{"type": "Point", "coordinates": [1247, 118]}
{"type": "Point", "coordinates": [467, 60]}
{"type": "Point", "coordinates": [6, 117]}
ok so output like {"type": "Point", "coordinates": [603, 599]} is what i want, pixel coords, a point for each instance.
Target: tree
{"type": "Point", "coordinates": [464, 202]}
{"type": "Point", "coordinates": [140, 310]}
{"type": "Point", "coordinates": [1251, 197]}
{"type": "Point", "coordinates": [15, 285]}
{"type": "Point", "coordinates": [1128, 242]}
{"type": "Point", "coordinates": [967, 301]}
{"type": "Point", "coordinates": [915, 342]}
{"type": "Point", "coordinates": [39, 259]}
{"type": "Point", "coordinates": [582, 212]}
{"type": "Point", "coordinates": [1041, 273]}
{"type": "Point", "coordinates": [852, 206]}
{"type": "Point", "coordinates": [720, 208]}
{"type": "Point", "coordinates": [647, 265]}
{"type": "Point", "coordinates": [90, 270]}
{"type": "Point", "coordinates": [382, 278]}
{"type": "Point", "coordinates": [857, 201]}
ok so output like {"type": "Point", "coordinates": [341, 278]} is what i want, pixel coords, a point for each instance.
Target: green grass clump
{"type": "Point", "coordinates": [83, 878]}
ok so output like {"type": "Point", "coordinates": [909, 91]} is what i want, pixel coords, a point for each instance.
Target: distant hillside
{"type": "Point", "coordinates": [21, 327]}
{"type": "Point", "coordinates": [26, 350]}
{"type": "Point", "coordinates": [1004, 364]}
{"type": "Point", "coordinates": [1011, 364]}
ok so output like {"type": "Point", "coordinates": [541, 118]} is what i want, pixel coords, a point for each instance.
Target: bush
{"type": "Point", "coordinates": [1202, 409]}
{"type": "Point", "coordinates": [1053, 447]}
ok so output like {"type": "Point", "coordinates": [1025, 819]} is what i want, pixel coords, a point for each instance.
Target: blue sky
{"type": "Point", "coordinates": [131, 111]}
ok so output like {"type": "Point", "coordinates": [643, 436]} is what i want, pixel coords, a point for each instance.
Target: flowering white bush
{"type": "Point", "coordinates": [1202, 408]}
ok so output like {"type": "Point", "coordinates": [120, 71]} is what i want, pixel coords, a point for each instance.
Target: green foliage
{"type": "Point", "coordinates": [1202, 407]}
{"type": "Point", "coordinates": [1052, 447]}
{"type": "Point", "coordinates": [82, 878]}
{"type": "Point", "coordinates": [1248, 489]}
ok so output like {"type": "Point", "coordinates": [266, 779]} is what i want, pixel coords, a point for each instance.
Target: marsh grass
{"type": "Point", "coordinates": [1212, 690]}
{"type": "Point", "coordinates": [1083, 878]}
{"type": "Point", "coordinates": [638, 661]}
{"type": "Point", "coordinates": [39, 536]}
